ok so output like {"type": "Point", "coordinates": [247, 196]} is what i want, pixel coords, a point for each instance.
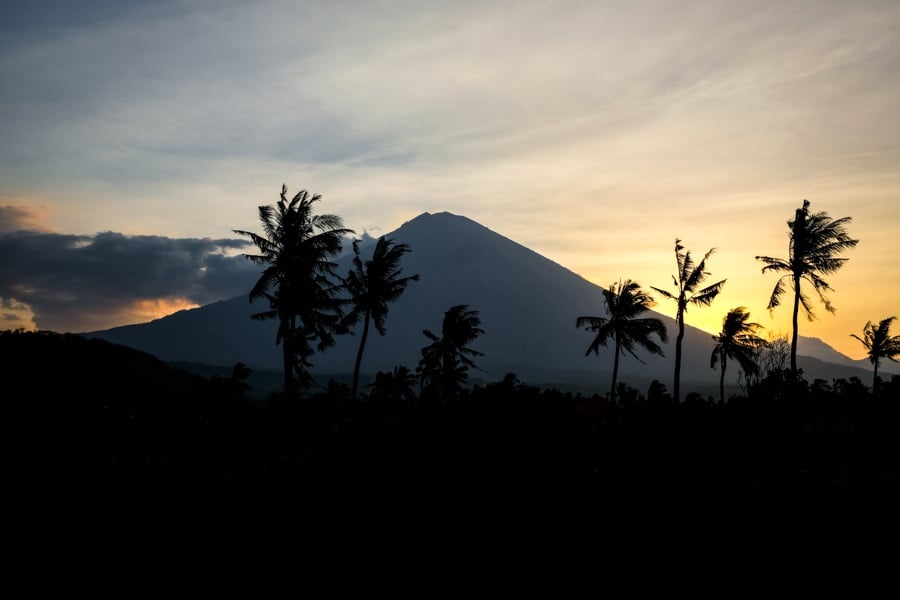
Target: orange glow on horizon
{"type": "Point", "coordinates": [140, 311]}
{"type": "Point", "coordinates": [143, 311]}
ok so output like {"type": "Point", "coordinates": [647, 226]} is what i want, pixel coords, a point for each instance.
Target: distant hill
{"type": "Point", "coordinates": [68, 372]}
{"type": "Point", "coordinates": [528, 305]}
{"type": "Point", "coordinates": [816, 348]}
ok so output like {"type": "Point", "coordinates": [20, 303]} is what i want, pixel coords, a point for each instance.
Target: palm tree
{"type": "Point", "coordinates": [624, 303]}
{"type": "Point", "coordinates": [738, 341]}
{"type": "Point", "coordinates": [445, 362]}
{"type": "Point", "coordinates": [372, 285]}
{"type": "Point", "coordinates": [815, 241]}
{"type": "Point", "coordinates": [394, 385]}
{"type": "Point", "coordinates": [296, 248]}
{"type": "Point", "coordinates": [880, 344]}
{"type": "Point", "coordinates": [687, 281]}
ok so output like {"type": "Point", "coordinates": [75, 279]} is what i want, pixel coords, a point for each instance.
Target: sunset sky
{"type": "Point", "coordinates": [137, 135]}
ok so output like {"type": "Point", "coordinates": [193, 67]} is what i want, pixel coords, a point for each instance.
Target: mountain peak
{"type": "Point", "coordinates": [439, 218]}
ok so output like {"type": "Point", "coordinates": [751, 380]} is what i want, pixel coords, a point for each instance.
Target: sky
{"type": "Point", "coordinates": [136, 136]}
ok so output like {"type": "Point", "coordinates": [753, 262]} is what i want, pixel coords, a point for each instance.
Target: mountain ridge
{"type": "Point", "coordinates": [528, 304]}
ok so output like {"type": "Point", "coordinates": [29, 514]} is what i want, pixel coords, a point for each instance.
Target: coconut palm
{"type": "Point", "coordinates": [687, 281]}
{"type": "Point", "coordinates": [396, 385]}
{"type": "Point", "coordinates": [739, 341]}
{"type": "Point", "coordinates": [373, 284]}
{"type": "Point", "coordinates": [879, 343]}
{"type": "Point", "coordinates": [445, 363]}
{"type": "Point", "coordinates": [624, 301]}
{"type": "Point", "coordinates": [815, 241]}
{"type": "Point", "coordinates": [296, 248]}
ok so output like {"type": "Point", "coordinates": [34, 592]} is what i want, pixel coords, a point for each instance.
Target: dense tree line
{"type": "Point", "coordinates": [113, 418]}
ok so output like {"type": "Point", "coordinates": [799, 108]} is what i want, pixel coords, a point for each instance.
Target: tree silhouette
{"type": "Point", "coordinates": [624, 303]}
{"type": "Point", "coordinates": [773, 355]}
{"type": "Point", "coordinates": [395, 385]}
{"type": "Point", "coordinates": [879, 343]}
{"type": "Point", "coordinates": [372, 285]}
{"type": "Point", "coordinates": [445, 363]}
{"type": "Point", "coordinates": [815, 241]}
{"type": "Point", "coordinates": [738, 341]}
{"type": "Point", "coordinates": [687, 280]}
{"type": "Point", "coordinates": [296, 247]}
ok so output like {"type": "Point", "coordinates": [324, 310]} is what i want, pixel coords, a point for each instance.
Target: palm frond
{"type": "Point", "coordinates": [774, 264]}
{"type": "Point", "coordinates": [806, 306]}
{"type": "Point", "coordinates": [665, 294]}
{"type": "Point", "coordinates": [706, 296]}
{"type": "Point", "coordinates": [590, 323]}
{"type": "Point", "coordinates": [775, 297]}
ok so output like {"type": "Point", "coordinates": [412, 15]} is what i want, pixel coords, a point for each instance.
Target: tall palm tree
{"type": "Point", "coordinates": [445, 362]}
{"type": "Point", "coordinates": [815, 241]}
{"type": "Point", "coordinates": [296, 248]}
{"type": "Point", "coordinates": [372, 285]}
{"type": "Point", "coordinates": [687, 280]}
{"type": "Point", "coordinates": [624, 301]}
{"type": "Point", "coordinates": [738, 340]}
{"type": "Point", "coordinates": [880, 344]}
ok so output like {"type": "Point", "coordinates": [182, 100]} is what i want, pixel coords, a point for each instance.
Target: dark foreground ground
{"type": "Point", "coordinates": [90, 417]}
{"type": "Point", "coordinates": [114, 463]}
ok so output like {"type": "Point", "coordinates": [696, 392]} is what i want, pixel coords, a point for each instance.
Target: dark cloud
{"type": "Point", "coordinates": [15, 218]}
{"type": "Point", "coordinates": [70, 279]}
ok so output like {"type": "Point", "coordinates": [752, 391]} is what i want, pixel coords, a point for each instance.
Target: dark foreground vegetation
{"type": "Point", "coordinates": [83, 416]}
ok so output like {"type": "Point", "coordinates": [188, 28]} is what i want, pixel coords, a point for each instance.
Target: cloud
{"type": "Point", "coordinates": [10, 304]}
{"type": "Point", "coordinates": [16, 218]}
{"type": "Point", "coordinates": [78, 282]}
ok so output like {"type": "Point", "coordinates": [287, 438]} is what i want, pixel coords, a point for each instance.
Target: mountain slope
{"type": "Point", "coordinates": [527, 303]}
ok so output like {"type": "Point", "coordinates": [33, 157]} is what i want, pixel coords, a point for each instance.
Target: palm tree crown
{"type": "Point", "coordinates": [738, 340]}
{"type": "Point", "coordinates": [296, 248]}
{"type": "Point", "coordinates": [687, 281]}
{"type": "Point", "coordinates": [373, 285]}
{"type": "Point", "coordinates": [879, 343]}
{"type": "Point", "coordinates": [624, 301]}
{"type": "Point", "coordinates": [396, 385]}
{"type": "Point", "coordinates": [447, 360]}
{"type": "Point", "coordinates": [815, 241]}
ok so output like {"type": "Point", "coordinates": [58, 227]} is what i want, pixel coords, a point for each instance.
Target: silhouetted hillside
{"type": "Point", "coordinates": [86, 415]}
{"type": "Point", "coordinates": [60, 368]}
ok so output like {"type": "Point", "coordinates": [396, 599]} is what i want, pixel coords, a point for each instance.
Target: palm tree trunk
{"type": "Point", "coordinates": [677, 382]}
{"type": "Point", "coordinates": [795, 325]}
{"type": "Point", "coordinates": [359, 353]}
{"type": "Point", "coordinates": [722, 382]}
{"type": "Point", "coordinates": [615, 373]}
{"type": "Point", "coordinates": [287, 346]}
{"type": "Point", "coordinates": [875, 377]}
{"type": "Point", "coordinates": [448, 382]}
